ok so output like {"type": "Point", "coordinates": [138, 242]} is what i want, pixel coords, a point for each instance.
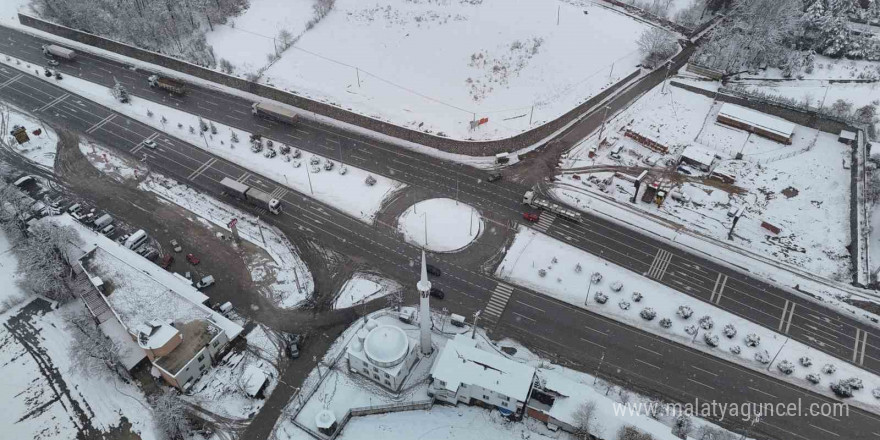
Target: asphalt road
{"type": "Point", "coordinates": [577, 336]}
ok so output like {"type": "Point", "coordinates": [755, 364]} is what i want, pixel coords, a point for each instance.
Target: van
{"type": "Point", "coordinates": [102, 221]}
{"type": "Point", "coordinates": [206, 281]}
{"type": "Point", "coordinates": [74, 208]}
{"type": "Point", "coordinates": [135, 240]}
{"type": "Point", "coordinates": [109, 229]}
{"type": "Point", "coordinates": [456, 320]}
{"type": "Point", "coordinates": [226, 307]}
{"type": "Point", "coordinates": [615, 152]}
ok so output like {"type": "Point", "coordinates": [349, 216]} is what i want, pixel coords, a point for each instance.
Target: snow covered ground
{"type": "Point", "coordinates": [363, 287]}
{"type": "Point", "coordinates": [532, 252]}
{"type": "Point", "coordinates": [341, 390]}
{"type": "Point", "coordinates": [495, 61]}
{"type": "Point", "coordinates": [11, 295]}
{"type": "Point", "coordinates": [346, 192]}
{"type": "Point", "coordinates": [40, 148]}
{"type": "Point", "coordinates": [813, 92]}
{"type": "Point", "coordinates": [801, 188]}
{"type": "Point", "coordinates": [450, 225]}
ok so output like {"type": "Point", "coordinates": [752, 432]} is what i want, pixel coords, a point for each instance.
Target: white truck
{"type": "Point", "coordinates": [167, 84]}
{"type": "Point", "coordinates": [531, 199]}
{"type": "Point", "coordinates": [58, 51]}
{"type": "Point", "coordinates": [254, 196]}
{"type": "Point", "coordinates": [275, 112]}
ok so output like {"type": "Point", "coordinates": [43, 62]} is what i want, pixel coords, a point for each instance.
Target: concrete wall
{"type": "Point", "coordinates": [476, 148]}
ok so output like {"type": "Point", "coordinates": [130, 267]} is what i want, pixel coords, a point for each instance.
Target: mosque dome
{"type": "Point", "coordinates": [386, 345]}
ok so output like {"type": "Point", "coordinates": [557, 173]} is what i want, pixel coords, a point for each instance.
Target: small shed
{"type": "Point", "coordinates": [846, 137]}
{"type": "Point", "coordinates": [255, 381]}
{"type": "Point", "coordinates": [756, 122]}
{"type": "Point", "coordinates": [326, 422]}
{"type": "Point", "coordinates": [698, 157]}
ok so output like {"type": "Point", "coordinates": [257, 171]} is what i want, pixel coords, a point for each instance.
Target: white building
{"type": "Point", "coordinates": [464, 373]}
{"type": "Point", "coordinates": [383, 353]}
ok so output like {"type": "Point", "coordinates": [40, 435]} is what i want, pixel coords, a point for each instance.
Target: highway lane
{"type": "Point", "coordinates": [576, 334]}
{"type": "Point", "coordinates": [813, 324]}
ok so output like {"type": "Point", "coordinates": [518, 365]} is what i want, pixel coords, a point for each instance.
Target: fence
{"type": "Point", "coordinates": [381, 409]}
{"type": "Point", "coordinates": [472, 148]}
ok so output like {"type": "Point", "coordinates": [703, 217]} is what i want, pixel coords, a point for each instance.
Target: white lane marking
{"type": "Point", "coordinates": [647, 363]}
{"type": "Point", "coordinates": [700, 383]}
{"type": "Point", "coordinates": [11, 80]}
{"type": "Point", "coordinates": [864, 342]}
{"type": "Point", "coordinates": [524, 317]}
{"type": "Point", "coordinates": [52, 102]}
{"type": "Point", "coordinates": [762, 392]}
{"type": "Point", "coordinates": [202, 168]}
{"type": "Point", "coordinates": [649, 350]}
{"type": "Point", "coordinates": [704, 371]}
{"type": "Point", "coordinates": [782, 318]}
{"type": "Point", "coordinates": [100, 123]}
{"type": "Point", "coordinates": [790, 315]}
{"type": "Point", "coordinates": [823, 429]}
{"type": "Point", "coordinates": [721, 290]}
{"type": "Point", "coordinates": [596, 331]}
{"type": "Point", "coordinates": [856, 346]}
{"type": "Point", "coordinates": [591, 342]}
{"type": "Point", "coordinates": [530, 306]}
{"type": "Point", "coordinates": [660, 263]}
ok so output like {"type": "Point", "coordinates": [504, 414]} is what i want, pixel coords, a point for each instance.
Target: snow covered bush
{"type": "Point", "coordinates": [736, 349]}
{"type": "Point", "coordinates": [762, 357]}
{"type": "Point", "coordinates": [706, 323]}
{"type": "Point", "coordinates": [203, 125]}
{"type": "Point", "coordinates": [623, 304]}
{"type": "Point", "coordinates": [212, 127]}
{"type": "Point", "coordinates": [842, 388]}
{"type": "Point", "coordinates": [829, 369]}
{"type": "Point", "coordinates": [234, 137]}
{"type": "Point", "coordinates": [600, 297]}
{"type": "Point", "coordinates": [596, 277]}
{"type": "Point", "coordinates": [855, 383]}
{"type": "Point", "coordinates": [616, 286]}
{"type": "Point", "coordinates": [876, 393]}
{"type": "Point", "coordinates": [711, 340]}
{"type": "Point", "coordinates": [192, 130]}
{"type": "Point", "coordinates": [682, 426]}
{"type": "Point", "coordinates": [813, 378]}
{"type": "Point", "coordinates": [149, 114]}
{"type": "Point", "coordinates": [805, 361]}
{"type": "Point", "coordinates": [685, 312]}
{"type": "Point", "coordinates": [542, 273]}
{"type": "Point", "coordinates": [665, 323]}
{"type": "Point", "coordinates": [637, 296]}
{"type": "Point", "coordinates": [785, 367]}
{"type": "Point", "coordinates": [753, 340]}
{"type": "Point", "coordinates": [691, 330]}
{"type": "Point", "coordinates": [578, 268]}
{"type": "Point", "coordinates": [648, 314]}
{"type": "Point", "coordinates": [729, 331]}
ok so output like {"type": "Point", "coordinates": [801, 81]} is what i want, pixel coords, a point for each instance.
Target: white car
{"type": "Point", "coordinates": [151, 144]}
{"type": "Point", "coordinates": [205, 282]}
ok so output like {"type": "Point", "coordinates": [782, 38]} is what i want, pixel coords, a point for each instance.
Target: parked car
{"type": "Point", "coordinates": [206, 281]}
{"type": "Point", "coordinates": [192, 259]}
{"type": "Point", "coordinates": [175, 245]}
{"type": "Point", "coordinates": [108, 230]}
{"type": "Point", "coordinates": [166, 261]}
{"type": "Point", "coordinates": [151, 254]}
{"type": "Point", "coordinates": [74, 208]}
{"type": "Point", "coordinates": [437, 293]}
{"type": "Point", "coordinates": [52, 63]}
{"type": "Point", "coordinates": [433, 270]}
{"type": "Point", "coordinates": [293, 342]}
{"type": "Point", "coordinates": [530, 216]}
{"type": "Point", "coordinates": [494, 177]}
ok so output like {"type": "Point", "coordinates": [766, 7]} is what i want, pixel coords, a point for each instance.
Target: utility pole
{"type": "Point", "coordinates": [604, 118]}
{"type": "Point", "coordinates": [476, 318]}
{"type": "Point", "coordinates": [358, 73]}
{"type": "Point", "coordinates": [308, 176]}
{"type": "Point", "coordinates": [260, 227]}
{"type": "Point", "coordinates": [596, 374]}
{"type": "Point", "coordinates": [557, 15]}
{"type": "Point", "coordinates": [531, 113]}
{"type": "Point", "coordinates": [425, 216]}
{"type": "Point", "coordinates": [668, 67]}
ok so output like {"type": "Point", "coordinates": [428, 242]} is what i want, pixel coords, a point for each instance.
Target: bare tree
{"type": "Point", "coordinates": [172, 414]}
{"type": "Point", "coordinates": [656, 45]}
{"type": "Point", "coordinates": [90, 349]}
{"type": "Point", "coordinates": [682, 426]}
{"type": "Point", "coordinates": [706, 432]}
{"type": "Point", "coordinates": [585, 423]}
{"type": "Point", "coordinates": [629, 432]}
{"type": "Point", "coordinates": [44, 256]}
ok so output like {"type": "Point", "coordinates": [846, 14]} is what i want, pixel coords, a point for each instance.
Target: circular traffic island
{"type": "Point", "coordinates": [440, 225]}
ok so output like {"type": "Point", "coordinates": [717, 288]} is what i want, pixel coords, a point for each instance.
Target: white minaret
{"type": "Point", "coordinates": [424, 287]}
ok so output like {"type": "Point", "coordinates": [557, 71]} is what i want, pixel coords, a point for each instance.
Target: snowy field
{"type": "Point", "coordinates": [346, 192]}
{"type": "Point", "coordinates": [637, 297]}
{"type": "Point", "coordinates": [496, 61]}
{"type": "Point", "coordinates": [340, 390]}
{"type": "Point", "coordinates": [440, 225]}
{"type": "Point", "coordinates": [11, 295]}
{"type": "Point", "coordinates": [813, 92]}
{"type": "Point", "coordinates": [802, 188]}
{"type": "Point", "coordinates": [40, 148]}
{"type": "Point", "coordinates": [363, 287]}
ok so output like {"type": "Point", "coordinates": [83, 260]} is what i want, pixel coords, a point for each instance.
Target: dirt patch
{"type": "Point", "coordinates": [790, 192]}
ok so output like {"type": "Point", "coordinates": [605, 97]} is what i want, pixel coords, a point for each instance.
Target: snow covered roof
{"type": "Point", "coordinates": [129, 352]}
{"type": "Point", "coordinates": [157, 336]}
{"type": "Point", "coordinates": [699, 154]}
{"type": "Point", "coordinates": [386, 345]}
{"type": "Point", "coordinates": [461, 362]}
{"type": "Point", "coordinates": [757, 119]}
{"type": "Point", "coordinates": [254, 378]}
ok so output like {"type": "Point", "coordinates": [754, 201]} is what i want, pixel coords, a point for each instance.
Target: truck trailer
{"type": "Point", "coordinates": [531, 199]}
{"type": "Point", "coordinates": [167, 84]}
{"type": "Point", "coordinates": [274, 112]}
{"type": "Point", "coordinates": [254, 196]}
{"type": "Point", "coordinates": [58, 51]}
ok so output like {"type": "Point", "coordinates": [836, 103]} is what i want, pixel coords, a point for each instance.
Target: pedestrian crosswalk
{"type": "Point", "coordinates": [498, 301]}
{"type": "Point", "coordinates": [545, 221]}
{"type": "Point", "coordinates": [659, 265]}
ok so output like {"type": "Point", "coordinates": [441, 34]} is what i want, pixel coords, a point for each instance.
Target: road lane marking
{"type": "Point", "coordinates": [823, 429]}
{"type": "Point", "coordinates": [649, 350]}
{"type": "Point", "coordinates": [763, 392]}
{"type": "Point", "coordinates": [597, 331]}
{"type": "Point", "coordinates": [52, 102]}
{"type": "Point", "coordinates": [660, 263]}
{"type": "Point", "coordinates": [530, 306]}
{"type": "Point", "coordinates": [700, 383]}
{"type": "Point", "coordinates": [856, 346]}
{"type": "Point", "coordinates": [11, 80]}
{"type": "Point", "coordinates": [714, 289]}
{"type": "Point", "coordinates": [100, 123]}
{"type": "Point", "coordinates": [524, 317]}
{"type": "Point", "coordinates": [864, 342]}
{"type": "Point", "coordinates": [202, 168]}
{"type": "Point", "coordinates": [243, 177]}
{"type": "Point", "coordinates": [704, 371]}
{"type": "Point", "coordinates": [790, 315]}
{"type": "Point", "coordinates": [591, 342]}
{"type": "Point", "coordinates": [859, 353]}
{"type": "Point", "coordinates": [721, 290]}
{"type": "Point", "coordinates": [647, 363]}
{"type": "Point", "coordinates": [782, 318]}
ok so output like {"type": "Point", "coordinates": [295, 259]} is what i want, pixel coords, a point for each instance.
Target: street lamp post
{"type": "Point", "coordinates": [604, 118]}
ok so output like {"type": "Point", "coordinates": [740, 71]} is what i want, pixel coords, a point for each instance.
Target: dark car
{"type": "Point", "coordinates": [433, 270]}
{"type": "Point", "coordinates": [494, 177]}
{"type": "Point", "coordinates": [166, 261]}
{"type": "Point", "coordinates": [192, 259]}
{"type": "Point", "coordinates": [437, 293]}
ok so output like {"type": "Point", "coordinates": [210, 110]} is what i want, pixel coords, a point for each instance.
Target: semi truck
{"type": "Point", "coordinates": [252, 195]}
{"type": "Point", "coordinates": [274, 112]}
{"type": "Point", "coordinates": [167, 84]}
{"type": "Point", "coordinates": [531, 199]}
{"type": "Point", "coordinates": [58, 51]}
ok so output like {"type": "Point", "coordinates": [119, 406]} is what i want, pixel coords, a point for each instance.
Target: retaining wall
{"type": "Point", "coordinates": [472, 148]}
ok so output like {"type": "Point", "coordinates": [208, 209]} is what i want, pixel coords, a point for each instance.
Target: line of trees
{"type": "Point", "coordinates": [175, 27]}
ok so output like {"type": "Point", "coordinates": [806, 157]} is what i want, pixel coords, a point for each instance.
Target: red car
{"type": "Point", "coordinates": [166, 261]}
{"type": "Point", "coordinates": [192, 259]}
{"type": "Point", "coordinates": [530, 216]}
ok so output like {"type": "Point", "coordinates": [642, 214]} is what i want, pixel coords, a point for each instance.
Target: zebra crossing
{"type": "Point", "coordinates": [279, 193]}
{"type": "Point", "coordinates": [659, 265]}
{"type": "Point", "coordinates": [545, 221]}
{"type": "Point", "coordinates": [498, 301]}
